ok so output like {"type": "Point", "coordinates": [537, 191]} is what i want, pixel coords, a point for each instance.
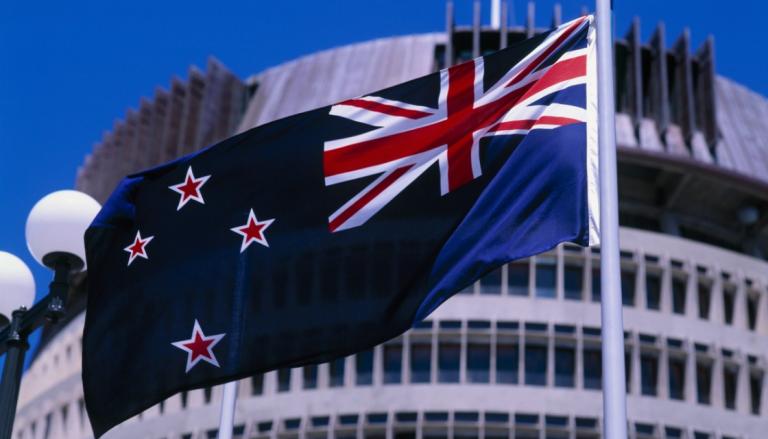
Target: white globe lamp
{"type": "Point", "coordinates": [56, 225]}
{"type": "Point", "coordinates": [17, 286]}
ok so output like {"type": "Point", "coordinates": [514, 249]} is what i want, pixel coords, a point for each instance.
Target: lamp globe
{"type": "Point", "coordinates": [17, 286]}
{"type": "Point", "coordinates": [56, 225]}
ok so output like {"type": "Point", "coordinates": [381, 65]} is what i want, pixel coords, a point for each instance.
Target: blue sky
{"type": "Point", "coordinates": [69, 69]}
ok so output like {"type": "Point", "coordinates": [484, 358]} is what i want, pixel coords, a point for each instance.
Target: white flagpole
{"type": "Point", "coordinates": [227, 419]}
{"type": "Point", "coordinates": [614, 392]}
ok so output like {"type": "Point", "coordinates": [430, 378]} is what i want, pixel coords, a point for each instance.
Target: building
{"type": "Point", "coordinates": [518, 354]}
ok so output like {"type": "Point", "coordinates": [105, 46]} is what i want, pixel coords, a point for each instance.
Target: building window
{"type": "Point", "coordinates": [649, 373]}
{"type": "Point", "coordinates": [628, 368]}
{"type": "Point", "coordinates": [676, 377]}
{"type": "Point", "coordinates": [628, 287]}
{"type": "Point", "coordinates": [729, 295]}
{"type": "Point", "coordinates": [310, 376]}
{"type": "Point", "coordinates": [535, 364]}
{"type": "Point", "coordinates": [730, 374]}
{"type": "Point", "coordinates": [752, 301]}
{"type": "Point", "coordinates": [507, 362]}
{"type": "Point", "coordinates": [593, 367]}
{"type": "Point", "coordinates": [336, 372]}
{"type": "Point", "coordinates": [364, 368]}
{"type": "Point", "coordinates": [565, 366]}
{"type": "Point", "coordinates": [184, 396]}
{"type": "Point", "coordinates": [517, 278]}
{"type": "Point", "coordinates": [448, 358]}
{"type": "Point", "coordinates": [283, 380]}
{"type": "Point", "coordinates": [393, 363]}
{"type": "Point", "coordinates": [755, 391]}
{"type": "Point", "coordinates": [596, 283]}
{"type": "Point", "coordinates": [678, 295]}
{"type": "Point", "coordinates": [478, 362]}
{"type": "Point", "coordinates": [573, 277]}
{"type": "Point", "coordinates": [705, 294]}
{"type": "Point", "coordinates": [421, 362]}
{"type": "Point", "coordinates": [546, 277]}
{"type": "Point", "coordinates": [207, 393]}
{"type": "Point", "coordinates": [491, 282]}
{"type": "Point", "coordinates": [703, 382]}
{"type": "Point", "coordinates": [257, 384]}
{"type": "Point", "coordinates": [653, 291]}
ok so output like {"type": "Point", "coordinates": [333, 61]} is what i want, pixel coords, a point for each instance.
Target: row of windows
{"type": "Point", "coordinates": [446, 425]}
{"type": "Point", "coordinates": [524, 278]}
{"type": "Point", "coordinates": [561, 359]}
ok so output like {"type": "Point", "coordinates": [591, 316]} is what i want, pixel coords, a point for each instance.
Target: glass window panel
{"type": "Point", "coordinates": [507, 362]}
{"type": "Point", "coordinates": [536, 364]}
{"type": "Point", "coordinates": [257, 384]}
{"type": "Point", "coordinates": [310, 376]}
{"type": "Point", "coordinates": [517, 278]}
{"type": "Point", "coordinates": [364, 368]}
{"type": "Point", "coordinates": [752, 302]}
{"type": "Point", "coordinates": [573, 278]}
{"type": "Point", "coordinates": [728, 298]}
{"type": "Point", "coordinates": [336, 372]}
{"type": "Point", "coordinates": [393, 363]}
{"type": "Point", "coordinates": [565, 366]}
{"type": "Point", "coordinates": [405, 434]}
{"type": "Point", "coordinates": [283, 380]}
{"type": "Point", "coordinates": [705, 293]}
{"type": "Point", "coordinates": [421, 361]}
{"type": "Point", "coordinates": [448, 354]}
{"type": "Point", "coordinates": [596, 283]}
{"type": "Point", "coordinates": [627, 370]}
{"type": "Point", "coordinates": [628, 287]}
{"type": "Point", "coordinates": [491, 282]}
{"type": "Point", "coordinates": [478, 362]}
{"type": "Point", "coordinates": [676, 378]}
{"type": "Point", "coordinates": [703, 382]}
{"type": "Point", "coordinates": [678, 295]}
{"type": "Point", "coordinates": [593, 367]}
{"type": "Point", "coordinates": [546, 278]}
{"type": "Point", "coordinates": [653, 291]}
{"type": "Point", "coordinates": [729, 387]}
{"type": "Point", "coordinates": [755, 392]}
{"type": "Point", "coordinates": [649, 374]}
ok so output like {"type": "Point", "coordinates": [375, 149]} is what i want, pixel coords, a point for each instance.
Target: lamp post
{"type": "Point", "coordinates": [54, 233]}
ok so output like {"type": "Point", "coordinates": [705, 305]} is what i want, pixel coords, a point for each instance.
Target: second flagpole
{"type": "Point", "coordinates": [227, 419]}
{"type": "Point", "coordinates": [614, 382]}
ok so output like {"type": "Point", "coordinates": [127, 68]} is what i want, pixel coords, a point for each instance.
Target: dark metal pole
{"type": "Point", "coordinates": [14, 365]}
{"type": "Point", "coordinates": [13, 339]}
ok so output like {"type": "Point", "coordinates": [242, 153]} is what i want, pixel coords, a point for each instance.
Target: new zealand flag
{"type": "Point", "coordinates": [323, 234]}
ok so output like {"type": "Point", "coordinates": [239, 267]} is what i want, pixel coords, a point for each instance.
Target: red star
{"type": "Point", "coordinates": [199, 347]}
{"type": "Point", "coordinates": [253, 231]}
{"type": "Point", "coordinates": [190, 188]}
{"type": "Point", "coordinates": [138, 247]}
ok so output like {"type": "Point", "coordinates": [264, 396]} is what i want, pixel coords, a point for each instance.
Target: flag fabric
{"type": "Point", "coordinates": [325, 233]}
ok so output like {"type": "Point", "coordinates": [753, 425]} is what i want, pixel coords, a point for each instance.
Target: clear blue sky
{"type": "Point", "coordinates": [69, 69]}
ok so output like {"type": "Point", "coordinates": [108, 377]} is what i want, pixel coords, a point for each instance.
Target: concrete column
{"type": "Point", "coordinates": [666, 287]}
{"type": "Point", "coordinates": [559, 276]}
{"type": "Point", "coordinates": [762, 311]}
{"type": "Point", "coordinates": [433, 366]}
{"type": "Point", "coordinates": [662, 387]}
{"type": "Point", "coordinates": [740, 304]}
{"type": "Point", "coordinates": [493, 340]}
{"type": "Point", "coordinates": [195, 398]}
{"type": "Point", "coordinates": [349, 366]}
{"type": "Point", "coordinates": [406, 358]}
{"type": "Point", "coordinates": [636, 382]}
{"type": "Point", "coordinates": [378, 366]}
{"type": "Point", "coordinates": [551, 358]}
{"type": "Point", "coordinates": [764, 397]}
{"type": "Point", "coordinates": [531, 277]}
{"type": "Point", "coordinates": [640, 299]}
{"type": "Point", "coordinates": [718, 390]}
{"type": "Point", "coordinates": [743, 398]}
{"type": "Point", "coordinates": [463, 357]}
{"type": "Point", "coordinates": [717, 308]}
{"type": "Point", "coordinates": [690, 373]}
{"type": "Point", "coordinates": [691, 292]}
{"type": "Point", "coordinates": [579, 369]}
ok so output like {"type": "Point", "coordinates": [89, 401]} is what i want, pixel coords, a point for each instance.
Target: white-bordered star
{"type": "Point", "coordinates": [199, 347]}
{"type": "Point", "coordinates": [253, 231]}
{"type": "Point", "coordinates": [189, 189]}
{"type": "Point", "coordinates": [137, 249]}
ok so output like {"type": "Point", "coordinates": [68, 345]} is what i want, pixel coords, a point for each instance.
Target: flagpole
{"type": "Point", "coordinates": [227, 419]}
{"type": "Point", "coordinates": [614, 392]}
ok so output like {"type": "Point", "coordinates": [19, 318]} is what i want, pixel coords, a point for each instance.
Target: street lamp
{"type": "Point", "coordinates": [54, 232]}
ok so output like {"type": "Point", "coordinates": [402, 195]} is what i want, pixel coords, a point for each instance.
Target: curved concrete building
{"type": "Point", "coordinates": [517, 355]}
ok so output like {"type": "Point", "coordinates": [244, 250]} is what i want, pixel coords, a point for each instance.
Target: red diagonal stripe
{"type": "Point", "coordinates": [559, 72]}
{"type": "Point", "coordinates": [365, 199]}
{"type": "Point", "coordinates": [385, 108]}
